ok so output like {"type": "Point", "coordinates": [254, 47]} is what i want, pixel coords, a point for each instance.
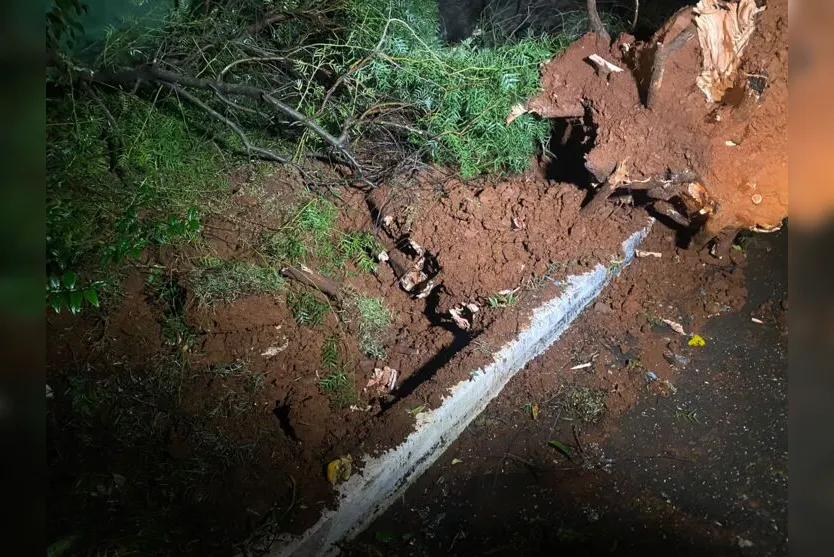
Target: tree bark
{"type": "Point", "coordinates": [596, 23]}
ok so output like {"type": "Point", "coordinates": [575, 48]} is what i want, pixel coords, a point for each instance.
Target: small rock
{"type": "Point", "coordinates": [602, 308]}
{"type": "Point", "coordinates": [713, 308]}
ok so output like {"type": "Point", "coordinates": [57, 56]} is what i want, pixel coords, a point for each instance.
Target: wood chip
{"type": "Point", "coordinates": [641, 253]}
{"type": "Point", "coordinates": [383, 380]}
{"type": "Point", "coordinates": [604, 64]}
{"type": "Point", "coordinates": [516, 111]}
{"type": "Point", "coordinates": [755, 320]}
{"type": "Point", "coordinates": [675, 326]}
{"type": "Point", "coordinates": [582, 366]}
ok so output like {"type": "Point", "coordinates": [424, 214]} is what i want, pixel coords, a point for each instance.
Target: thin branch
{"type": "Point", "coordinates": [636, 13]}
{"type": "Point", "coordinates": [320, 283]}
{"type": "Point", "coordinates": [155, 74]}
{"type": "Point", "coordinates": [231, 65]}
{"type": "Point", "coordinates": [596, 23]}
{"type": "Point", "coordinates": [234, 105]}
{"type": "Point", "coordinates": [250, 149]}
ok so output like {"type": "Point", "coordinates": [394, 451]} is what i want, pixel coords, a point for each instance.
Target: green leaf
{"type": "Point", "coordinates": [55, 303]}
{"type": "Point", "coordinates": [92, 296]}
{"type": "Point", "coordinates": [69, 279]}
{"type": "Point", "coordinates": [76, 298]}
{"type": "Point", "coordinates": [561, 447]}
{"type": "Point", "coordinates": [54, 282]}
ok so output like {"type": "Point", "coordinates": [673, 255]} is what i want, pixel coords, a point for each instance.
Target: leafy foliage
{"type": "Point", "coordinates": [360, 247]}
{"type": "Point", "coordinates": [63, 23]}
{"type": "Point", "coordinates": [65, 293]}
{"type": "Point", "coordinates": [111, 193]}
{"type": "Point", "coordinates": [502, 300]}
{"type": "Point", "coordinates": [462, 93]}
{"type": "Point", "coordinates": [311, 234]}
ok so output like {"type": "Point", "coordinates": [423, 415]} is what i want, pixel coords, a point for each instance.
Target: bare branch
{"type": "Point", "coordinates": [250, 149]}
{"type": "Point", "coordinates": [306, 276]}
{"type": "Point", "coordinates": [155, 74]}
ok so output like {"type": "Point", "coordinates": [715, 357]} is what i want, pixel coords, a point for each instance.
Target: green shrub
{"type": "Point", "coordinates": [464, 93]}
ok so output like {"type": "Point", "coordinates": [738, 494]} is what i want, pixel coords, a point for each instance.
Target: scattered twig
{"type": "Point", "coordinates": [115, 148]}
{"type": "Point", "coordinates": [250, 149]}
{"type": "Point", "coordinates": [579, 446]}
{"type": "Point", "coordinates": [292, 500]}
{"type": "Point", "coordinates": [154, 74]}
{"type": "Point", "coordinates": [636, 13]}
{"type": "Point", "coordinates": [322, 284]}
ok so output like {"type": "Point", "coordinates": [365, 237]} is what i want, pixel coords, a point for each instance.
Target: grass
{"type": "Point", "coordinates": [502, 300]}
{"type": "Point", "coordinates": [225, 281]}
{"type": "Point", "coordinates": [372, 318]}
{"type": "Point", "coordinates": [336, 384]}
{"type": "Point", "coordinates": [311, 237]}
{"type": "Point", "coordinates": [307, 309]}
{"type": "Point", "coordinates": [114, 190]}
{"type": "Point", "coordinates": [687, 417]}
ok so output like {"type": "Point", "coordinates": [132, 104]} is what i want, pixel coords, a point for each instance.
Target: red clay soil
{"type": "Point", "coordinates": [623, 338]}
{"type": "Point", "coordinates": [259, 442]}
{"type": "Point", "coordinates": [627, 321]}
{"type": "Point", "coordinates": [683, 132]}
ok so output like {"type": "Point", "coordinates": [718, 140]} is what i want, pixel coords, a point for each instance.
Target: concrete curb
{"type": "Point", "coordinates": [365, 496]}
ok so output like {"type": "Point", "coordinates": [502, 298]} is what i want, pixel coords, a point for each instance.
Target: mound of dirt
{"type": "Point", "coordinates": [736, 147]}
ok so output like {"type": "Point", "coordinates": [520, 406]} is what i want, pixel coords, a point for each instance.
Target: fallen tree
{"type": "Point", "coordinates": [693, 120]}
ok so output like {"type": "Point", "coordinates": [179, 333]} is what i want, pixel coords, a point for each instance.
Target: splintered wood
{"type": "Point", "coordinates": [724, 29]}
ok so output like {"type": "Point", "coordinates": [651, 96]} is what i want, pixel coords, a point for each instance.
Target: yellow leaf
{"type": "Point", "coordinates": [339, 469]}
{"type": "Point", "coordinates": [534, 411]}
{"type": "Point", "coordinates": [456, 461]}
{"type": "Point", "coordinates": [697, 340]}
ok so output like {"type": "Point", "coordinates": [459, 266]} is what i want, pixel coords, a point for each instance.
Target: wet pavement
{"type": "Point", "coordinates": [703, 472]}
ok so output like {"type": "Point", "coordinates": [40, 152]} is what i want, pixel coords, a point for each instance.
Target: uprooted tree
{"type": "Point", "coordinates": [694, 118]}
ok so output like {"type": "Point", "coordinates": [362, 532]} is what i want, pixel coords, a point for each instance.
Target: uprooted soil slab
{"type": "Point", "coordinates": [736, 147]}
{"type": "Point", "coordinates": [216, 413]}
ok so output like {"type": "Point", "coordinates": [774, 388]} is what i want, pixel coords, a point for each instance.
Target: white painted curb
{"type": "Point", "coordinates": [365, 496]}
